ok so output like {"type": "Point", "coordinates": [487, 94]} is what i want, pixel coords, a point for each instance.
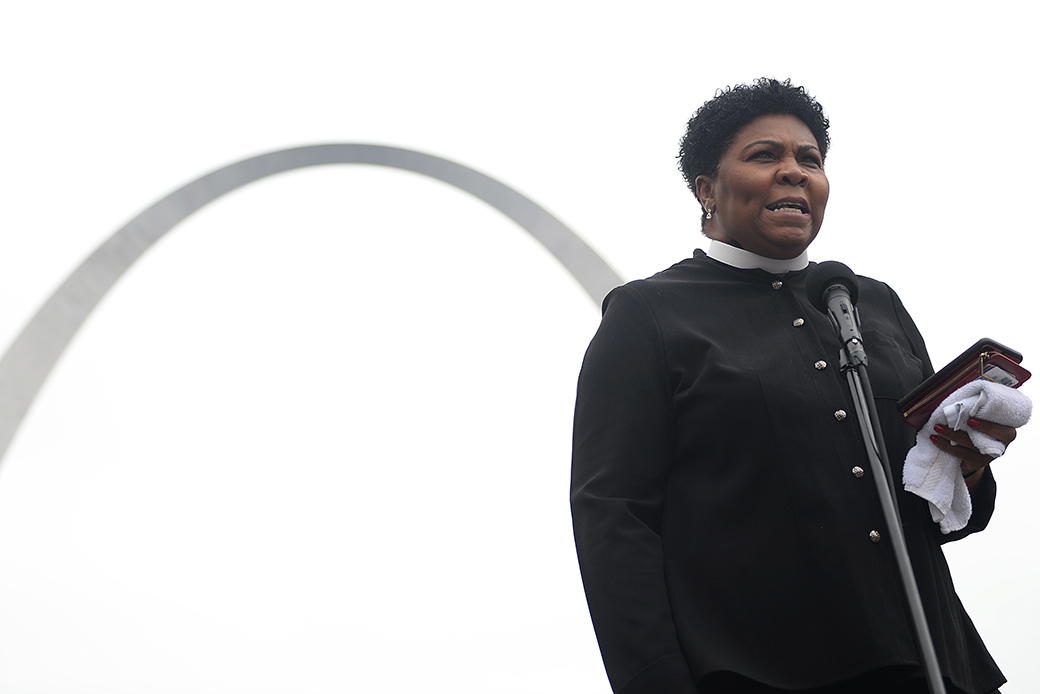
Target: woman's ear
{"type": "Point", "coordinates": [705, 191]}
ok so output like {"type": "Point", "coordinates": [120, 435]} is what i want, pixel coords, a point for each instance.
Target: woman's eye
{"type": "Point", "coordinates": [765, 154]}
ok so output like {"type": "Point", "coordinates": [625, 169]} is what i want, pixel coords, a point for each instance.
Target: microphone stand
{"type": "Point", "coordinates": [854, 365]}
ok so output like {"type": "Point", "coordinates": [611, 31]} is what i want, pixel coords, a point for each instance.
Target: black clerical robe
{"type": "Point", "coordinates": [725, 514]}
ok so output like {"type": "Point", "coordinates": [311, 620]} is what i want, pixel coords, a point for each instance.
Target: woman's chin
{"type": "Point", "coordinates": [790, 243]}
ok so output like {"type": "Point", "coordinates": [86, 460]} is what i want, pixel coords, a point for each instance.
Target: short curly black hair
{"type": "Point", "coordinates": [715, 124]}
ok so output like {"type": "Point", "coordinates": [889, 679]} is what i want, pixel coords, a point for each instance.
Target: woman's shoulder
{"type": "Point", "coordinates": [662, 288]}
{"type": "Point", "coordinates": [874, 290]}
{"type": "Point", "coordinates": [695, 270]}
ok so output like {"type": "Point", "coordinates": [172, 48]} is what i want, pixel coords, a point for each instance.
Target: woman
{"type": "Point", "coordinates": [728, 530]}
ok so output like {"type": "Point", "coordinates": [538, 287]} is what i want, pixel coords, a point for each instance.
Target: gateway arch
{"type": "Point", "coordinates": [33, 354]}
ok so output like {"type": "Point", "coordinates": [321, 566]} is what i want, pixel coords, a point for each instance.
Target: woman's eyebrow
{"type": "Point", "coordinates": [774, 143]}
{"type": "Point", "coordinates": [771, 143]}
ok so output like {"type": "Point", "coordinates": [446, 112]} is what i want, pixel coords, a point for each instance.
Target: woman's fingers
{"type": "Point", "coordinates": [997, 431]}
{"type": "Point", "coordinates": [958, 443]}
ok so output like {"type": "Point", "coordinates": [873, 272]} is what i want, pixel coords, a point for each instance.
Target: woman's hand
{"type": "Point", "coordinates": [958, 444]}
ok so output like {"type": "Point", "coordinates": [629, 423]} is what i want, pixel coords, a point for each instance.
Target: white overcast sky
{"type": "Point", "coordinates": [318, 438]}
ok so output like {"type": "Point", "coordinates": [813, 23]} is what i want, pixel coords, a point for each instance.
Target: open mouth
{"type": "Point", "coordinates": [789, 206]}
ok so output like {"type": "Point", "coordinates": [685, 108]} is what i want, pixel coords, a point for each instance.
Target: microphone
{"type": "Point", "coordinates": [833, 289]}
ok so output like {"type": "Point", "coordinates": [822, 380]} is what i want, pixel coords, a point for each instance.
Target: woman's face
{"type": "Point", "coordinates": [770, 193]}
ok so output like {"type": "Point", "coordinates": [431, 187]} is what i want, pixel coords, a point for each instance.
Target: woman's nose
{"type": "Point", "coordinates": [791, 173]}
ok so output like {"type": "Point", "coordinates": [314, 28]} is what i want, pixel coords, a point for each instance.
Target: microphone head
{"type": "Point", "coordinates": [825, 275]}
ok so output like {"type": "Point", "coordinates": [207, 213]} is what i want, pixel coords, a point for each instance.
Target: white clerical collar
{"type": "Point", "coordinates": [746, 260]}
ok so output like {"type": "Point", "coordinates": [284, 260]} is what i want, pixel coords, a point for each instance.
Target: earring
{"type": "Point", "coordinates": [708, 216]}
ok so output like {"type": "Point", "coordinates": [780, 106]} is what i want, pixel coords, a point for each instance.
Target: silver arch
{"type": "Point", "coordinates": [33, 354]}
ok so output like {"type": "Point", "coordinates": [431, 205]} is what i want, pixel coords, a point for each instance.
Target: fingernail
{"type": "Point", "coordinates": [974, 423]}
{"type": "Point", "coordinates": [939, 429]}
{"type": "Point", "coordinates": [934, 438]}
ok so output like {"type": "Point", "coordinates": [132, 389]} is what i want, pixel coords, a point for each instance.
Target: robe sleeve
{"type": "Point", "coordinates": [622, 451]}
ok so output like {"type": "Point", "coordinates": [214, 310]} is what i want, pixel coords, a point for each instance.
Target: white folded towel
{"type": "Point", "coordinates": [934, 474]}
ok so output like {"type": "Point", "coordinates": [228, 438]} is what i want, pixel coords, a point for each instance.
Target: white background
{"type": "Point", "coordinates": [317, 439]}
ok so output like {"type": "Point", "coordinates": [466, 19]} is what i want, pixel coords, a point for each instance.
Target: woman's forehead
{"type": "Point", "coordinates": [783, 128]}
